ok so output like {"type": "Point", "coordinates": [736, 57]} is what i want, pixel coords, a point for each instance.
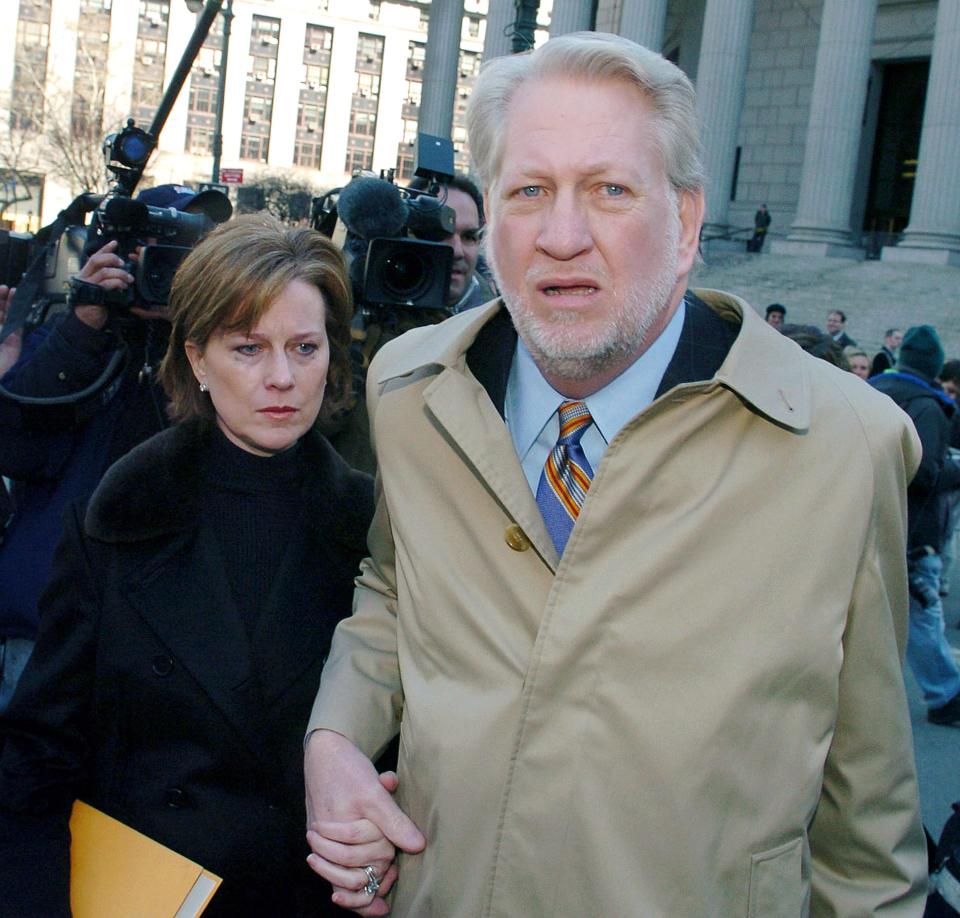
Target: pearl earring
{"type": "Point", "coordinates": [203, 387]}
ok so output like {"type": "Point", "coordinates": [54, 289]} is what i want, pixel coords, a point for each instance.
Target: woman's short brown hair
{"type": "Point", "coordinates": [231, 279]}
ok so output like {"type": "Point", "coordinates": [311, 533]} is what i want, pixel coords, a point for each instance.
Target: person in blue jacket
{"type": "Point", "coordinates": [56, 455]}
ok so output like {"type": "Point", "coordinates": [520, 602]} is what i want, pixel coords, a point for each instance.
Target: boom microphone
{"type": "Point", "coordinates": [371, 207]}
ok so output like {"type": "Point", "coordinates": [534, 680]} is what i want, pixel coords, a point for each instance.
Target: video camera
{"type": "Point", "coordinates": [134, 223]}
{"type": "Point", "coordinates": [52, 257]}
{"type": "Point", "coordinates": [389, 269]}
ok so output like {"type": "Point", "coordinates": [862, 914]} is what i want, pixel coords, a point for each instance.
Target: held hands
{"type": "Point", "coordinates": [353, 822]}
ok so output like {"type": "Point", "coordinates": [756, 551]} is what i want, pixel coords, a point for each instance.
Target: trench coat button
{"type": "Point", "coordinates": [175, 798]}
{"type": "Point", "coordinates": [162, 665]}
{"type": "Point", "coordinates": [516, 538]}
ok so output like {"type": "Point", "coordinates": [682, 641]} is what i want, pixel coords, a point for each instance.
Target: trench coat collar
{"type": "Point", "coordinates": [762, 367]}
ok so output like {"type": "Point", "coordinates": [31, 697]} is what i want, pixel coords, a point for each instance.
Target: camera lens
{"type": "Point", "coordinates": [405, 274]}
{"type": "Point", "coordinates": [134, 149]}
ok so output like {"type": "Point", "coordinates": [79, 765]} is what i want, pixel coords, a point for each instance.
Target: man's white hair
{"type": "Point", "coordinates": [591, 56]}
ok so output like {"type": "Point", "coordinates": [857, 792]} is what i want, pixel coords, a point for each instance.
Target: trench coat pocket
{"type": "Point", "coordinates": [776, 887]}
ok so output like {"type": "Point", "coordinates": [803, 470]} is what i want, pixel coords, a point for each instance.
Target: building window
{"type": "Point", "coordinates": [317, 39]}
{"type": "Point", "coordinates": [368, 85]}
{"type": "Point", "coordinates": [316, 76]}
{"type": "Point", "coordinates": [155, 13]}
{"type": "Point", "coordinates": [265, 32]}
{"type": "Point", "coordinates": [369, 51]}
{"type": "Point", "coordinates": [253, 146]}
{"type": "Point", "coordinates": [359, 160]}
{"type": "Point", "coordinates": [414, 91]}
{"type": "Point", "coordinates": [258, 109]}
{"type": "Point", "coordinates": [199, 140]}
{"type": "Point", "coordinates": [363, 123]}
{"type": "Point", "coordinates": [307, 153]}
{"type": "Point", "coordinates": [203, 99]}
{"type": "Point", "coordinates": [310, 116]}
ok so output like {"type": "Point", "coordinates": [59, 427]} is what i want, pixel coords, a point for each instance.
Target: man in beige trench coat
{"type": "Point", "coordinates": [608, 703]}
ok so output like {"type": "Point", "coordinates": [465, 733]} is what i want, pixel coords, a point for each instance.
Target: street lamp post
{"type": "Point", "coordinates": [195, 6]}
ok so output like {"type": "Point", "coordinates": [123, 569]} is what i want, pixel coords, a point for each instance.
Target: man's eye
{"type": "Point", "coordinates": [613, 191]}
{"type": "Point", "coordinates": [530, 191]}
{"type": "Point", "coordinates": [470, 238]}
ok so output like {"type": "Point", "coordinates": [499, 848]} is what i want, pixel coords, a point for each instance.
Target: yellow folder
{"type": "Point", "coordinates": [116, 872]}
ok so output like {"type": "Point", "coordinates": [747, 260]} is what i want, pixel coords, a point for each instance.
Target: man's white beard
{"type": "Point", "coordinates": [562, 348]}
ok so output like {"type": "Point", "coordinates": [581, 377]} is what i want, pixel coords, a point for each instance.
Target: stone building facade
{"type": "Point", "coordinates": [841, 115]}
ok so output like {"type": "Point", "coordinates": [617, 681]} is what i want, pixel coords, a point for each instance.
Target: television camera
{"type": "Point", "coordinates": [393, 233]}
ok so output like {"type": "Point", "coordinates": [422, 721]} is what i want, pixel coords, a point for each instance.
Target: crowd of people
{"type": "Point", "coordinates": [551, 593]}
{"type": "Point", "coordinates": [911, 369]}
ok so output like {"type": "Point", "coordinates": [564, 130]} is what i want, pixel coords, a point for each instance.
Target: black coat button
{"type": "Point", "coordinates": [176, 798]}
{"type": "Point", "coordinates": [162, 665]}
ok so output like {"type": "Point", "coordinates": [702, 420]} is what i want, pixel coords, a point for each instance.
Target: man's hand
{"type": "Point", "coordinates": [105, 268]}
{"type": "Point", "coordinates": [353, 822]}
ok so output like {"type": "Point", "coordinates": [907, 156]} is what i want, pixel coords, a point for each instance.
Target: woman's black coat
{"type": "Point", "coordinates": [146, 697]}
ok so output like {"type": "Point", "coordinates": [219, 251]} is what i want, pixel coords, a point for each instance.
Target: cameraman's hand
{"type": "Point", "coordinates": [10, 348]}
{"type": "Point", "coordinates": [105, 268]}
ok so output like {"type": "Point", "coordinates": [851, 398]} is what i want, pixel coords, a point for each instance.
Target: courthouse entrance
{"type": "Point", "coordinates": [896, 147]}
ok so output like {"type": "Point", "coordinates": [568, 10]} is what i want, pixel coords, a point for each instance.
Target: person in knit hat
{"type": "Point", "coordinates": [911, 386]}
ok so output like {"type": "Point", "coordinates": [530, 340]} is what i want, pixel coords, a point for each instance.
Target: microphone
{"type": "Point", "coordinates": [371, 207]}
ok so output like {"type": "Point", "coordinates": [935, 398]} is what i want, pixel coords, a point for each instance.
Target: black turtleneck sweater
{"type": "Point", "coordinates": [251, 505]}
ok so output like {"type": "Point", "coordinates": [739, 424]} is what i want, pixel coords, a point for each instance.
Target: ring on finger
{"type": "Point", "coordinates": [373, 881]}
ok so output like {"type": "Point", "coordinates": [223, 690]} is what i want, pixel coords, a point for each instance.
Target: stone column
{"type": "Point", "coordinates": [933, 234]}
{"type": "Point", "coordinates": [822, 224]}
{"type": "Point", "coordinates": [570, 16]}
{"type": "Point", "coordinates": [500, 19]}
{"type": "Point", "coordinates": [642, 21]}
{"type": "Point", "coordinates": [440, 68]}
{"type": "Point", "coordinates": [720, 82]}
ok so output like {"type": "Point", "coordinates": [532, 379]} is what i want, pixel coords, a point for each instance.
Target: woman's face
{"type": "Point", "coordinates": [860, 366]}
{"type": "Point", "coordinates": [267, 386]}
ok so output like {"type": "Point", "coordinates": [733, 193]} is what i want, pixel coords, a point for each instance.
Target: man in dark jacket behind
{"type": "Point", "coordinates": [911, 386]}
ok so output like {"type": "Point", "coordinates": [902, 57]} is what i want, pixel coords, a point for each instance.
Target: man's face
{"type": "Point", "coordinates": [775, 319]}
{"type": "Point", "coordinates": [465, 242]}
{"type": "Point", "coordinates": [894, 340]}
{"type": "Point", "coordinates": [590, 243]}
{"type": "Point", "coordinates": [834, 322]}
{"type": "Point", "coordinates": [951, 387]}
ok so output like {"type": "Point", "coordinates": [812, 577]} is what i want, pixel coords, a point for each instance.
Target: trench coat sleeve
{"type": "Point", "coordinates": [868, 855]}
{"type": "Point", "coordinates": [44, 739]}
{"type": "Point", "coordinates": [360, 694]}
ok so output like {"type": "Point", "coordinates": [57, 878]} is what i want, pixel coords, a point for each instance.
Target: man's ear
{"type": "Point", "coordinates": [691, 204]}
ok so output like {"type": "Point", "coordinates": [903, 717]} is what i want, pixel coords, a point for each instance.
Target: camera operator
{"type": "Point", "coordinates": [468, 286]}
{"type": "Point", "coordinates": [56, 456]}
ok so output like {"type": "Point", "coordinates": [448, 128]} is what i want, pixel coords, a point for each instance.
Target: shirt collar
{"type": "Point", "coordinates": [531, 401]}
{"type": "Point", "coordinates": [474, 283]}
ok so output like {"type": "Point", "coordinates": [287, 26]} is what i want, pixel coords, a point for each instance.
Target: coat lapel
{"type": "Point", "coordinates": [476, 429]}
{"type": "Point", "coordinates": [183, 595]}
{"type": "Point", "coordinates": [476, 425]}
{"type": "Point", "coordinates": [293, 632]}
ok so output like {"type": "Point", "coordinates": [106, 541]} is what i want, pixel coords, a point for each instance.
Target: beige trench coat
{"type": "Point", "coordinates": [699, 711]}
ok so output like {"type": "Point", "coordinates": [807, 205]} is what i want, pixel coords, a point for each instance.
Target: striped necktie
{"type": "Point", "coordinates": [566, 475]}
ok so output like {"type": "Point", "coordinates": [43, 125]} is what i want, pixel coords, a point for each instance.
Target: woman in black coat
{"type": "Point", "coordinates": [193, 601]}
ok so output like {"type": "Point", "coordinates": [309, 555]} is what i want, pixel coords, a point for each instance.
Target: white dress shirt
{"type": "Point", "coordinates": [531, 403]}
